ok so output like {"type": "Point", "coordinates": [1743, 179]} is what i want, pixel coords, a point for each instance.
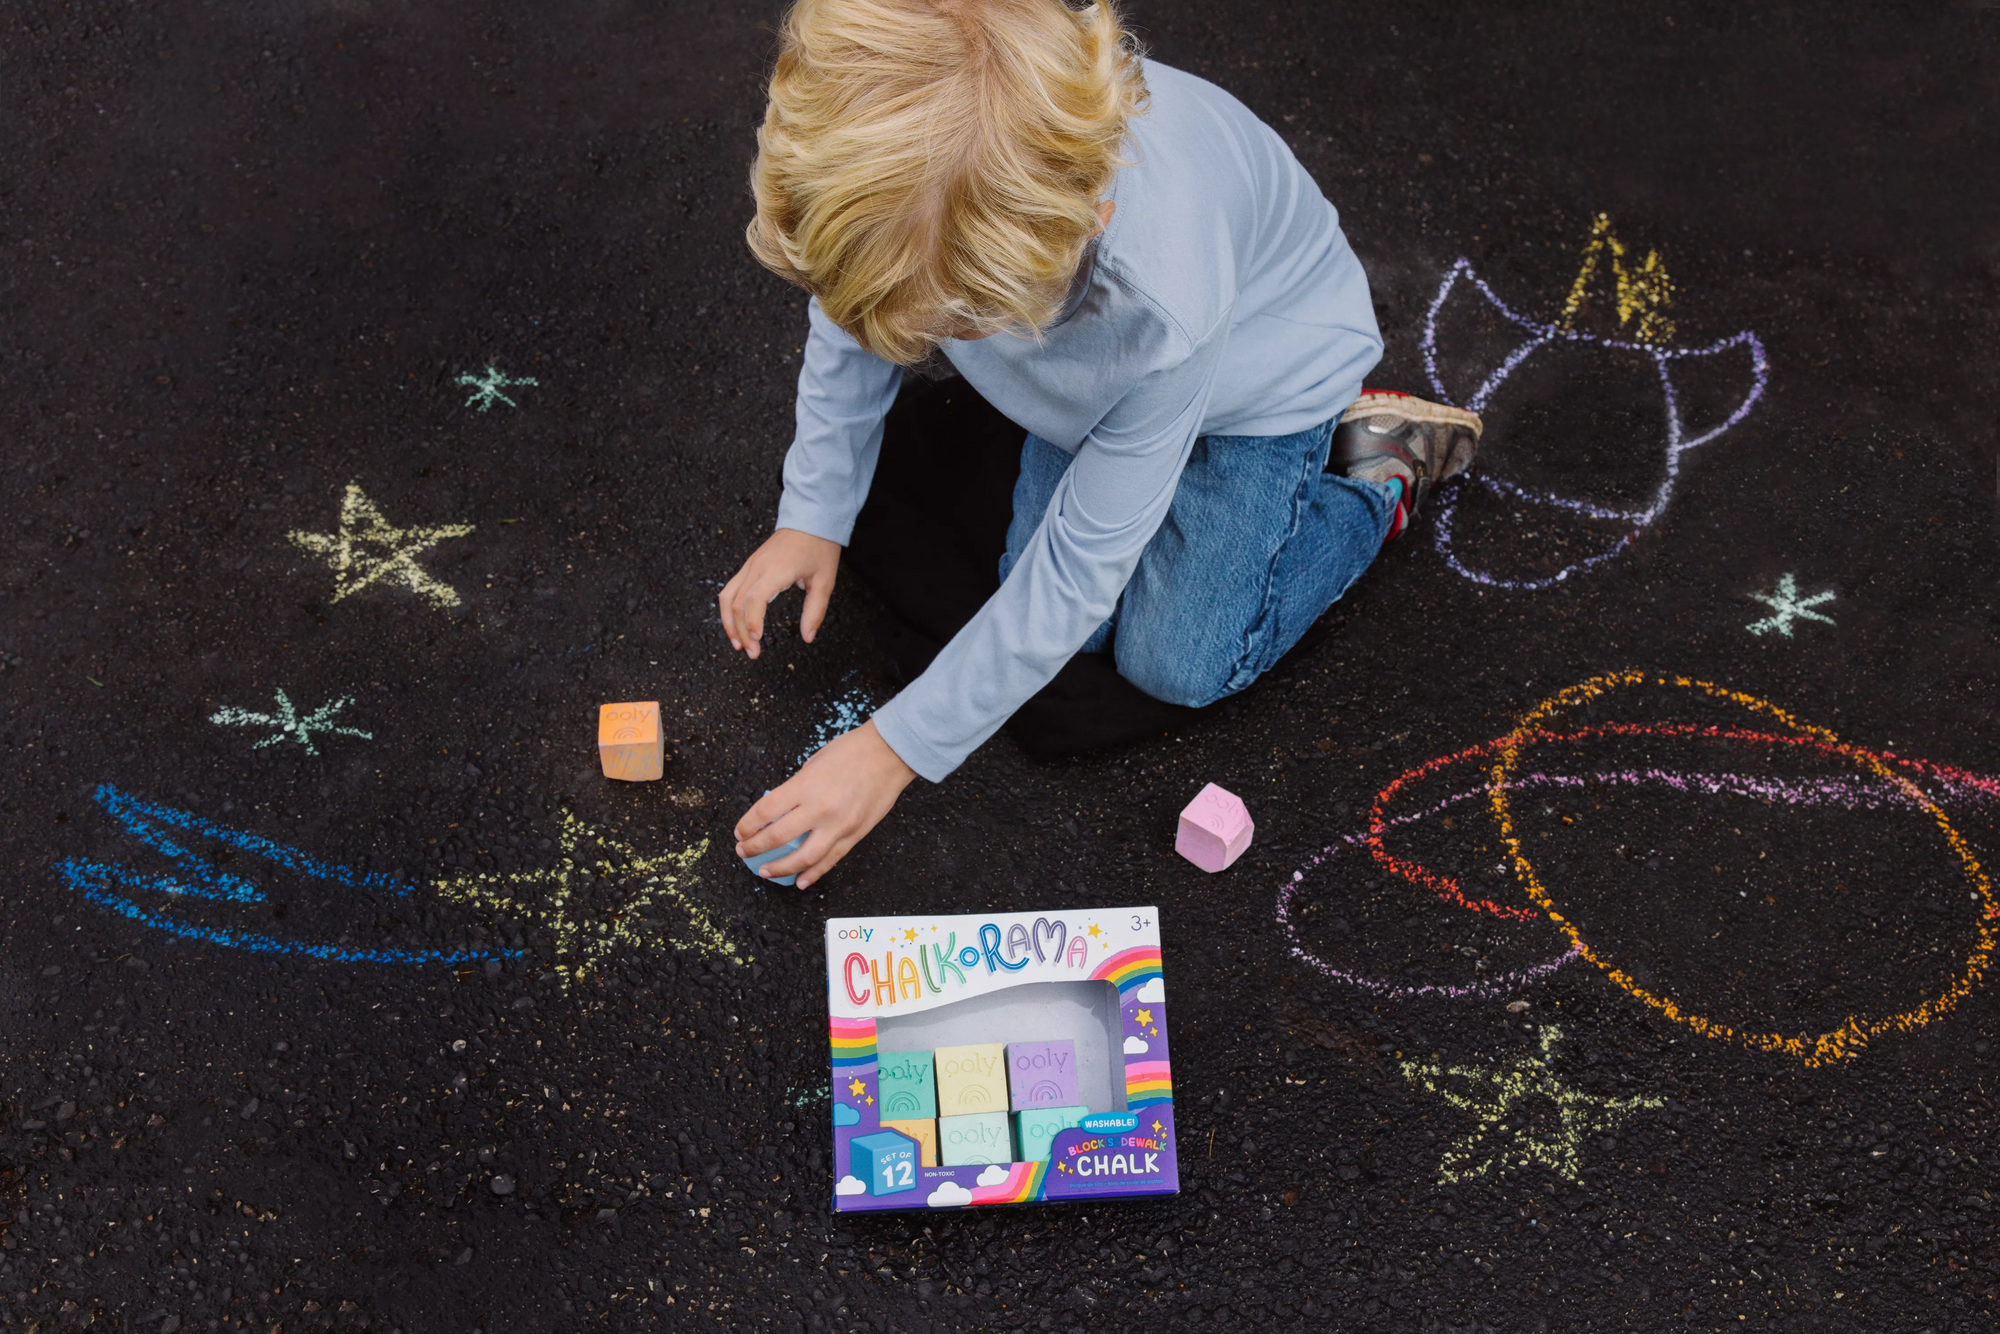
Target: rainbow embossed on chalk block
{"type": "Point", "coordinates": [949, 1034]}
{"type": "Point", "coordinates": [1215, 829]}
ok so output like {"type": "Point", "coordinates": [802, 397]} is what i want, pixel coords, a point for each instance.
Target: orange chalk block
{"type": "Point", "coordinates": [629, 743]}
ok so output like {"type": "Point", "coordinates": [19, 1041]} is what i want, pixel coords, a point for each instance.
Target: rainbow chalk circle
{"type": "Point", "coordinates": [1215, 829]}
{"type": "Point", "coordinates": [972, 1080]}
{"type": "Point", "coordinates": [966, 1140]}
{"type": "Point", "coordinates": [629, 744]}
{"type": "Point", "coordinates": [1041, 1074]}
{"type": "Point", "coordinates": [885, 1160]}
{"type": "Point", "coordinates": [906, 1085]}
{"type": "Point", "coordinates": [923, 1132]}
{"type": "Point", "coordinates": [1035, 1131]}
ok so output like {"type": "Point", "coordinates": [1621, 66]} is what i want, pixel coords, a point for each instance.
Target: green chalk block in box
{"type": "Point", "coordinates": [1036, 1130]}
{"type": "Point", "coordinates": [908, 1085]}
{"type": "Point", "coordinates": [978, 1138]}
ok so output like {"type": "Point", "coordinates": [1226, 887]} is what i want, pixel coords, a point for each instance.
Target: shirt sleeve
{"type": "Point", "coordinates": [1107, 507]}
{"type": "Point", "coordinates": [844, 393]}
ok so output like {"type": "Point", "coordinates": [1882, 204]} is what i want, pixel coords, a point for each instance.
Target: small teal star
{"type": "Point", "coordinates": [288, 723]}
{"type": "Point", "coordinates": [1789, 606]}
{"type": "Point", "coordinates": [489, 388]}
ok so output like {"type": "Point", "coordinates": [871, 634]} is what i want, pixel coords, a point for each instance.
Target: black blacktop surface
{"type": "Point", "coordinates": [257, 1073]}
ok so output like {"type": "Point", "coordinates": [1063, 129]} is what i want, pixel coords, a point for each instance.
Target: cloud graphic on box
{"type": "Point", "coordinates": [994, 1175]}
{"type": "Point", "coordinates": [947, 1195]}
{"type": "Point", "coordinates": [843, 1115]}
{"type": "Point", "coordinates": [853, 1185]}
{"type": "Point", "coordinates": [1154, 992]}
{"type": "Point", "coordinates": [1136, 1046]}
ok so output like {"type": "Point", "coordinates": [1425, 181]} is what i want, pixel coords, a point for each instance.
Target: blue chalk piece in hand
{"type": "Point", "coordinates": [886, 1160]}
{"type": "Point", "coordinates": [756, 863]}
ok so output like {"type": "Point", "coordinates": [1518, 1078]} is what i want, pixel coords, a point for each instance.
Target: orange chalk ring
{"type": "Point", "coordinates": [1838, 1044]}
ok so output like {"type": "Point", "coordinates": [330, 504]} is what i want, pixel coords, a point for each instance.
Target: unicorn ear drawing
{"type": "Point", "coordinates": [1472, 340]}
{"type": "Point", "coordinates": [1713, 388]}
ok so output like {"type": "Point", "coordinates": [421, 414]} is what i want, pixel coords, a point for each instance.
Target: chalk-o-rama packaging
{"type": "Point", "coordinates": [999, 1058]}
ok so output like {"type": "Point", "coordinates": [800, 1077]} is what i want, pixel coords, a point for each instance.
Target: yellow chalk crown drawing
{"type": "Point", "coordinates": [368, 551]}
{"type": "Point", "coordinates": [581, 944]}
{"type": "Point", "coordinates": [1642, 291]}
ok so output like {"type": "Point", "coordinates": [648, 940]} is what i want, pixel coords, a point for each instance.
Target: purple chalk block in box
{"type": "Point", "coordinates": [1041, 1074]}
{"type": "Point", "coordinates": [1215, 829]}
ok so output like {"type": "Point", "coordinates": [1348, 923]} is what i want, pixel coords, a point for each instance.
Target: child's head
{"type": "Point", "coordinates": [933, 168]}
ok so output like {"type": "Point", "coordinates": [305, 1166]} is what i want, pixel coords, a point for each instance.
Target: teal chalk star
{"type": "Point", "coordinates": [490, 387]}
{"type": "Point", "coordinates": [1789, 606]}
{"type": "Point", "coordinates": [289, 724]}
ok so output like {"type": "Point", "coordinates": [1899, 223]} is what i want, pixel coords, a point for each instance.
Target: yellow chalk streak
{"type": "Point", "coordinates": [582, 945]}
{"type": "Point", "coordinates": [1642, 293]}
{"type": "Point", "coordinates": [1836, 1044]}
{"type": "Point", "coordinates": [1498, 1090]}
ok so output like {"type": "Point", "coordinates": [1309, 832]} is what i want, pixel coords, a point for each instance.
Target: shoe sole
{"type": "Point", "coordinates": [1378, 402]}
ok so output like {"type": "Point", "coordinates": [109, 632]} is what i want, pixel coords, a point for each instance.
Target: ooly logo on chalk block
{"type": "Point", "coordinates": [629, 744]}
{"type": "Point", "coordinates": [974, 1139]}
{"type": "Point", "coordinates": [1041, 1074]}
{"type": "Point", "coordinates": [971, 1079]}
{"type": "Point", "coordinates": [1215, 829]}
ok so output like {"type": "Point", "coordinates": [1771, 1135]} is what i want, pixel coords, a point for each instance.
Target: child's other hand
{"type": "Point", "coordinates": [788, 558]}
{"type": "Point", "coordinates": [840, 793]}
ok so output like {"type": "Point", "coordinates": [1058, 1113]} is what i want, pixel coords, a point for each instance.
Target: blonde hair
{"type": "Point", "coordinates": [932, 168]}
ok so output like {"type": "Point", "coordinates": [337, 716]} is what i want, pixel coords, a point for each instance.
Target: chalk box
{"type": "Point", "coordinates": [1086, 985]}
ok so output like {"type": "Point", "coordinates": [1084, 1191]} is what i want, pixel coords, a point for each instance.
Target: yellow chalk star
{"type": "Point", "coordinates": [1093, 931]}
{"type": "Point", "coordinates": [1144, 1017]}
{"type": "Point", "coordinates": [910, 934]}
{"type": "Point", "coordinates": [1494, 1098]}
{"type": "Point", "coordinates": [855, 1088]}
{"type": "Point", "coordinates": [367, 551]}
{"type": "Point", "coordinates": [585, 932]}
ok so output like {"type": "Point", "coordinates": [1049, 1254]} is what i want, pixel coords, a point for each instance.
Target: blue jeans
{"type": "Point", "coordinates": [1258, 542]}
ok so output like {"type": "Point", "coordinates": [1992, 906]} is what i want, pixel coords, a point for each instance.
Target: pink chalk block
{"type": "Point", "coordinates": [1215, 829]}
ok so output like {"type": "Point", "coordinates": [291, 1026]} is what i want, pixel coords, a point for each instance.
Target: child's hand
{"type": "Point", "coordinates": [788, 558]}
{"type": "Point", "coordinates": [840, 793]}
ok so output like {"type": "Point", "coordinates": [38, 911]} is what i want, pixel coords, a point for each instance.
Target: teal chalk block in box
{"type": "Point", "coordinates": [886, 1160]}
{"type": "Point", "coordinates": [1036, 1130]}
{"type": "Point", "coordinates": [978, 1138]}
{"type": "Point", "coordinates": [908, 1083]}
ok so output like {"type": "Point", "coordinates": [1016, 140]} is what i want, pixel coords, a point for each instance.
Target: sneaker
{"type": "Point", "coordinates": [1388, 436]}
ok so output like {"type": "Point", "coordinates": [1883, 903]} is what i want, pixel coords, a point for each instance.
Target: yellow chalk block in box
{"type": "Point", "coordinates": [629, 743]}
{"type": "Point", "coordinates": [924, 1133]}
{"type": "Point", "coordinates": [971, 1080]}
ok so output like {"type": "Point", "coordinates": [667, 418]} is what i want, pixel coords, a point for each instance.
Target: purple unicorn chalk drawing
{"type": "Point", "coordinates": [1641, 293]}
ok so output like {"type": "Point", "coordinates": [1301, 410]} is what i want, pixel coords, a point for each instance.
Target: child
{"type": "Point", "coordinates": [1124, 260]}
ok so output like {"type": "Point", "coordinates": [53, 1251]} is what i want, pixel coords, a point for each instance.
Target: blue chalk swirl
{"type": "Point", "coordinates": [152, 825]}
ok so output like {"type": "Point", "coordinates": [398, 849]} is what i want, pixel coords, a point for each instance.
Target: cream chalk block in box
{"type": "Point", "coordinates": [629, 743]}
{"type": "Point", "coordinates": [1215, 829]}
{"type": "Point", "coordinates": [971, 1079]}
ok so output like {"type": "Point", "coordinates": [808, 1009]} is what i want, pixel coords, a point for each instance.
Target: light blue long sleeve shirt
{"type": "Point", "coordinates": [1222, 299]}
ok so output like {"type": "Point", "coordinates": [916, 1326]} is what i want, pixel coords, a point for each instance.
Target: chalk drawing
{"type": "Point", "coordinates": [1836, 1044]}
{"type": "Point", "coordinates": [1641, 294]}
{"type": "Point", "coordinates": [288, 724]}
{"type": "Point", "coordinates": [164, 830]}
{"type": "Point", "coordinates": [583, 938]}
{"type": "Point", "coordinates": [490, 386]}
{"type": "Point", "coordinates": [1788, 606]}
{"type": "Point", "coordinates": [844, 714]}
{"type": "Point", "coordinates": [1885, 783]}
{"type": "Point", "coordinates": [1494, 1095]}
{"type": "Point", "coordinates": [367, 551]}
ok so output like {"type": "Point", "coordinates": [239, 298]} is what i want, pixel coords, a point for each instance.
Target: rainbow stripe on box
{"type": "Point", "coordinates": [1129, 969]}
{"type": "Point", "coordinates": [1147, 1083]}
{"type": "Point", "coordinates": [853, 1042]}
{"type": "Point", "coordinates": [1023, 1183]}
